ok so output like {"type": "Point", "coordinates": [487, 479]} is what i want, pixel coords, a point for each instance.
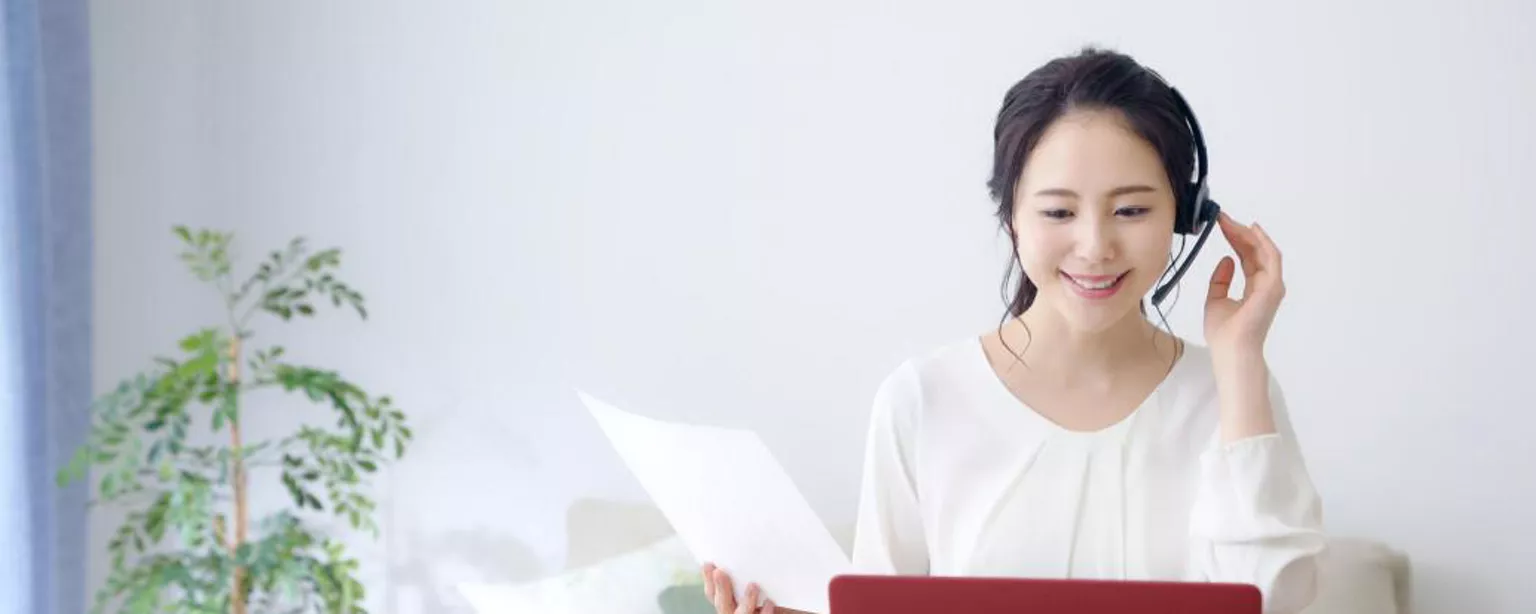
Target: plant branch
{"type": "Point", "coordinates": [266, 287]}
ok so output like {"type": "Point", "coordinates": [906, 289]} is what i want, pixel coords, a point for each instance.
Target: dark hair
{"type": "Point", "coordinates": [1090, 80]}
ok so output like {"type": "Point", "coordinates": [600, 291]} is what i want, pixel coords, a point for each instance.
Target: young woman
{"type": "Point", "coordinates": [1079, 439]}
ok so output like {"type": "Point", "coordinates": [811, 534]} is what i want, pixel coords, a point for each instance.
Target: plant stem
{"type": "Point", "coordinates": [237, 599]}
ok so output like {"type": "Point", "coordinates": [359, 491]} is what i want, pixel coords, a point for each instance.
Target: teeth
{"type": "Point", "coordinates": [1099, 285]}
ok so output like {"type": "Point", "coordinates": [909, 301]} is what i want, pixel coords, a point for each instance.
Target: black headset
{"type": "Point", "coordinates": [1195, 212]}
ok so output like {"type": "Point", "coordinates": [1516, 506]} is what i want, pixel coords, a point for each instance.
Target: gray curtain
{"type": "Point", "coordinates": [45, 301]}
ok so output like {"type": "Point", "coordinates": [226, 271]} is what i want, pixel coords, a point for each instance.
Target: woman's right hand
{"type": "Point", "coordinates": [717, 588]}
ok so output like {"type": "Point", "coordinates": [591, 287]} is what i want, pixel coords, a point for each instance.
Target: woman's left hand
{"type": "Point", "coordinates": [1241, 325]}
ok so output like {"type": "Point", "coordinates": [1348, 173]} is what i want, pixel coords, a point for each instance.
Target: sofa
{"type": "Point", "coordinates": [624, 557]}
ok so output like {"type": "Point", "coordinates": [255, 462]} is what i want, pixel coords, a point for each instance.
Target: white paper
{"type": "Point", "coordinates": [731, 504]}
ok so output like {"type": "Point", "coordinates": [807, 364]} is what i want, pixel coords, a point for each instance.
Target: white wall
{"type": "Point", "coordinates": [746, 213]}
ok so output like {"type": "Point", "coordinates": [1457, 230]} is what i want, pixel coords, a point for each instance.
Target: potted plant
{"type": "Point", "coordinates": [167, 444]}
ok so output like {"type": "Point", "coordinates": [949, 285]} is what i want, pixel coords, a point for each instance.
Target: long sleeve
{"type": "Point", "coordinates": [889, 536]}
{"type": "Point", "coordinates": [1257, 519]}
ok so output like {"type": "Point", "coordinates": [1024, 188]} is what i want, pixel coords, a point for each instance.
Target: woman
{"type": "Point", "coordinates": [1080, 440]}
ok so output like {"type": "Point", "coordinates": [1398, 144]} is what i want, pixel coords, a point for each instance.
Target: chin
{"type": "Point", "coordinates": [1093, 321]}
{"type": "Point", "coordinates": [1097, 315]}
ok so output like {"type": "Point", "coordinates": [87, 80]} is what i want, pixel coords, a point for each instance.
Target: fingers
{"type": "Point", "coordinates": [1221, 280]}
{"type": "Point", "coordinates": [1243, 243]}
{"type": "Point", "coordinates": [749, 604]}
{"type": "Point", "coordinates": [725, 596]}
{"type": "Point", "coordinates": [1260, 260]}
{"type": "Point", "coordinates": [718, 591]}
{"type": "Point", "coordinates": [1269, 252]}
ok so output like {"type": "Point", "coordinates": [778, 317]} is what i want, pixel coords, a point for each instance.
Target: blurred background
{"type": "Point", "coordinates": [742, 214]}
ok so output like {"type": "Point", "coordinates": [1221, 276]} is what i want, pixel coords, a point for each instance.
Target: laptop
{"type": "Point", "coordinates": [863, 594]}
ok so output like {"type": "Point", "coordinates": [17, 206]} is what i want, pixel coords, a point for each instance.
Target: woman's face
{"type": "Point", "coordinates": [1093, 214]}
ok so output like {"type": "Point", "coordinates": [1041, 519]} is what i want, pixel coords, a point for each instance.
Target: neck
{"type": "Point", "coordinates": [1052, 346]}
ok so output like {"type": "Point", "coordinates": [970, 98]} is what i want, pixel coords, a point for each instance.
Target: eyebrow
{"type": "Point", "coordinates": [1120, 191]}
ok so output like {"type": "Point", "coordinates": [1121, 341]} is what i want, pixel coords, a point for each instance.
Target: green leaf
{"type": "Point", "coordinates": [294, 491]}
{"type": "Point", "coordinates": [186, 235]}
{"type": "Point", "coordinates": [231, 411]}
{"type": "Point", "coordinates": [203, 364]}
{"type": "Point", "coordinates": [305, 309]}
{"type": "Point", "coordinates": [154, 523]}
{"type": "Point", "coordinates": [78, 465]}
{"type": "Point", "coordinates": [368, 465]}
{"type": "Point", "coordinates": [255, 448]}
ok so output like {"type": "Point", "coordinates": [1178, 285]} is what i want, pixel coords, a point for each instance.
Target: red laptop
{"type": "Point", "coordinates": [859, 594]}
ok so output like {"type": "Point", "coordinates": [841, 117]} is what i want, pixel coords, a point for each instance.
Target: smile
{"type": "Point", "coordinates": [1095, 287]}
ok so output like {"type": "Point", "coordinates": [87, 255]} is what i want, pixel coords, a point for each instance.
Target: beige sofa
{"type": "Point", "coordinates": [625, 558]}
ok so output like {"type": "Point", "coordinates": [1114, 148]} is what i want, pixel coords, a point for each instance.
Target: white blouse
{"type": "Point", "coordinates": [961, 478]}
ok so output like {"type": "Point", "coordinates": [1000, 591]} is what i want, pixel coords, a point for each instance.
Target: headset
{"type": "Point", "coordinates": [1196, 213]}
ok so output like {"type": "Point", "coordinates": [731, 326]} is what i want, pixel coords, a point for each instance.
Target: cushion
{"type": "Point", "coordinates": [1357, 576]}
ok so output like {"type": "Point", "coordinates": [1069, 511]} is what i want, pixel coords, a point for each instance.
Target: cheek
{"type": "Point", "coordinates": [1151, 247]}
{"type": "Point", "coordinates": [1041, 252]}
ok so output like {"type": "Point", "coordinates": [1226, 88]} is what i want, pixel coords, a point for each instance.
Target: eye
{"type": "Point", "coordinates": [1133, 211]}
{"type": "Point", "coordinates": [1056, 214]}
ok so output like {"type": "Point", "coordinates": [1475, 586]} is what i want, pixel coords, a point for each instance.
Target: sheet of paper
{"type": "Point", "coordinates": [731, 503]}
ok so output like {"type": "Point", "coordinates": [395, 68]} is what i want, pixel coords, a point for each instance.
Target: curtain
{"type": "Point", "coordinates": [45, 301]}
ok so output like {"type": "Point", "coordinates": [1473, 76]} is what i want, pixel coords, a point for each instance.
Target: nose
{"type": "Point", "coordinates": [1095, 241]}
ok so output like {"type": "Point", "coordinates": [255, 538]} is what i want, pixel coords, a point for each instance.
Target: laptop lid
{"type": "Point", "coordinates": [865, 594]}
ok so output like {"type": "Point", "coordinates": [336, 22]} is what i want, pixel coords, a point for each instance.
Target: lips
{"type": "Point", "coordinates": [1095, 286]}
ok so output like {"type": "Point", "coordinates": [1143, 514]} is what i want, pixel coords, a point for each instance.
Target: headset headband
{"type": "Point", "coordinates": [1196, 213]}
